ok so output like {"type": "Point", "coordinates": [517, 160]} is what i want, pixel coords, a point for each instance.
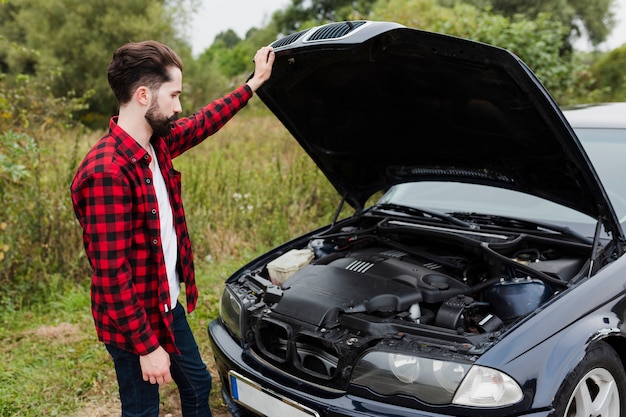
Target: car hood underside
{"type": "Point", "coordinates": [377, 104]}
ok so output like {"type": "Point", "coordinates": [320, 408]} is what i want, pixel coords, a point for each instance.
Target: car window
{"type": "Point", "coordinates": [460, 197]}
{"type": "Point", "coordinates": [606, 149]}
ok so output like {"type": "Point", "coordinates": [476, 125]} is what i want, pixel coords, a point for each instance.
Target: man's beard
{"type": "Point", "coordinates": [161, 125]}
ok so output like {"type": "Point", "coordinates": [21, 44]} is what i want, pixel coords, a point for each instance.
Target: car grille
{"type": "Point", "coordinates": [310, 354]}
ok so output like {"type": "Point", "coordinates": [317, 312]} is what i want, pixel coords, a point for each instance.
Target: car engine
{"type": "Point", "coordinates": [389, 281]}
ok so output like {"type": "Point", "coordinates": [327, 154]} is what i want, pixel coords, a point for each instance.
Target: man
{"type": "Point", "coordinates": [126, 196]}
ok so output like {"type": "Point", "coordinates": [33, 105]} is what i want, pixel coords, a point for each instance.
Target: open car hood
{"type": "Point", "coordinates": [376, 104]}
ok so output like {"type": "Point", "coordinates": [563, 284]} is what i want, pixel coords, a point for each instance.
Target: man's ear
{"type": "Point", "coordinates": [143, 95]}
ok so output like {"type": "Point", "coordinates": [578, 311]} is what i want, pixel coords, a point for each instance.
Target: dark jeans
{"type": "Point", "coordinates": [141, 399]}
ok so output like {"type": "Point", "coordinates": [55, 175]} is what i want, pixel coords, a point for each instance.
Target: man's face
{"type": "Point", "coordinates": [165, 104]}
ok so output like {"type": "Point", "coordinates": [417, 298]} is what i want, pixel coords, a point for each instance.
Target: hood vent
{"type": "Point", "coordinates": [287, 40]}
{"type": "Point", "coordinates": [335, 30]}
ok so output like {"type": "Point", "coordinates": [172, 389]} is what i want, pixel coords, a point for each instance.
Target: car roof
{"type": "Point", "coordinates": [599, 115]}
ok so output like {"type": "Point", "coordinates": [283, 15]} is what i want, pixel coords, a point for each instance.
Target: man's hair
{"type": "Point", "coordinates": [140, 63]}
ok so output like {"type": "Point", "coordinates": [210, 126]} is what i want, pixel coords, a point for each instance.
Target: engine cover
{"type": "Point", "coordinates": [372, 281]}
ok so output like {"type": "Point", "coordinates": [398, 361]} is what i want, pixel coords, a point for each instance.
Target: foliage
{"type": "Point", "coordinates": [228, 38]}
{"type": "Point", "coordinates": [538, 42]}
{"type": "Point", "coordinates": [37, 224]}
{"type": "Point", "coordinates": [15, 153]}
{"type": "Point", "coordinates": [244, 201]}
{"type": "Point", "coordinates": [76, 38]}
{"type": "Point", "coordinates": [610, 76]}
{"type": "Point", "coordinates": [33, 186]}
{"type": "Point", "coordinates": [591, 17]}
{"type": "Point", "coordinates": [27, 103]}
{"type": "Point", "coordinates": [54, 366]}
{"type": "Point", "coordinates": [301, 14]}
{"type": "Point", "coordinates": [273, 193]}
{"type": "Point", "coordinates": [231, 61]}
{"type": "Point", "coordinates": [247, 189]}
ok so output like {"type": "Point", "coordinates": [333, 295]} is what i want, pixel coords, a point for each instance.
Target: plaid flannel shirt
{"type": "Point", "coordinates": [115, 203]}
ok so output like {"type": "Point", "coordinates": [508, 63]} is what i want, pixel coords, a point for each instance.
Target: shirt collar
{"type": "Point", "coordinates": [126, 143]}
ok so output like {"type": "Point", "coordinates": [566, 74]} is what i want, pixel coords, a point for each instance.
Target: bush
{"type": "Point", "coordinates": [36, 225]}
{"type": "Point", "coordinates": [610, 75]}
{"type": "Point", "coordinates": [37, 222]}
{"type": "Point", "coordinates": [28, 105]}
{"type": "Point", "coordinates": [540, 42]}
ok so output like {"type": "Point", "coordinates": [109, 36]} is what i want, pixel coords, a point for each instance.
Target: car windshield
{"type": "Point", "coordinates": [606, 149]}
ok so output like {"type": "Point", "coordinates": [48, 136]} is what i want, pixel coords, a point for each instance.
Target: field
{"type": "Point", "coordinates": [54, 366]}
{"type": "Point", "coordinates": [246, 189]}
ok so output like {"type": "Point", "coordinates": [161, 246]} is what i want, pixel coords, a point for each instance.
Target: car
{"type": "Point", "coordinates": [482, 270]}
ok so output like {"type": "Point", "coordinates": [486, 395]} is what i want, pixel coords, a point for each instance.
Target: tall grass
{"type": "Point", "coordinates": [54, 366]}
{"type": "Point", "coordinates": [251, 187]}
{"type": "Point", "coordinates": [245, 189]}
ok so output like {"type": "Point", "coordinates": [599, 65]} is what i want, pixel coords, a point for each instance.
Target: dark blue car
{"type": "Point", "coordinates": [482, 273]}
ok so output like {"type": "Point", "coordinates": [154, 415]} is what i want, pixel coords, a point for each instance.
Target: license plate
{"type": "Point", "coordinates": [263, 401]}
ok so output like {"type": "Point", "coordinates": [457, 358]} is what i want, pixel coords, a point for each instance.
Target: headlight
{"type": "Point", "coordinates": [429, 380]}
{"type": "Point", "coordinates": [230, 311]}
{"type": "Point", "coordinates": [435, 381]}
{"type": "Point", "coordinates": [486, 387]}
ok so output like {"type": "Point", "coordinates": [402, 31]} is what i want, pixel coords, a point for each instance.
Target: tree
{"type": "Point", "coordinates": [77, 38]}
{"type": "Point", "coordinates": [609, 73]}
{"type": "Point", "coordinates": [229, 38]}
{"type": "Point", "coordinates": [538, 42]}
{"type": "Point", "coordinates": [593, 17]}
{"type": "Point", "coordinates": [301, 13]}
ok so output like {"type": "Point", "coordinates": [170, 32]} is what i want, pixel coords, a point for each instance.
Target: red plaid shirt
{"type": "Point", "coordinates": [116, 205]}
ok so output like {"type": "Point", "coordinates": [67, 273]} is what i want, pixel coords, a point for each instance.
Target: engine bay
{"type": "Point", "coordinates": [392, 282]}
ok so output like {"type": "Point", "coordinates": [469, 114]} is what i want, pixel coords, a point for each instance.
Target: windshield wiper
{"type": "Point", "coordinates": [493, 221]}
{"type": "Point", "coordinates": [427, 214]}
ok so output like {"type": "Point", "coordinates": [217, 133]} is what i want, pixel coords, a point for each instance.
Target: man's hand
{"type": "Point", "coordinates": [155, 367]}
{"type": "Point", "coordinates": [263, 62]}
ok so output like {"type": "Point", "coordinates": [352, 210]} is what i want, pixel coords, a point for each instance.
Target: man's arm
{"type": "Point", "coordinates": [192, 130]}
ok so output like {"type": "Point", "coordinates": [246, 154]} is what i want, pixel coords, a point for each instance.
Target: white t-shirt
{"type": "Point", "coordinates": [168, 234]}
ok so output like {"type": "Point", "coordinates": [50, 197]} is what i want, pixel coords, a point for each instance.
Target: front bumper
{"type": "Point", "coordinates": [234, 362]}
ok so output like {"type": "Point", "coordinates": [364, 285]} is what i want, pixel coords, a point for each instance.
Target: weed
{"type": "Point", "coordinates": [247, 189]}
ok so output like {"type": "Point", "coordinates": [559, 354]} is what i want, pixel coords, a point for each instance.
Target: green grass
{"type": "Point", "coordinates": [53, 364]}
{"type": "Point", "coordinates": [51, 360]}
{"type": "Point", "coordinates": [247, 189]}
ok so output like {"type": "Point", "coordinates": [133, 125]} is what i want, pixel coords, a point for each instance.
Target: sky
{"type": "Point", "coordinates": [218, 16]}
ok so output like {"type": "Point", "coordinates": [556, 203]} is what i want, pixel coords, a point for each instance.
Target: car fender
{"type": "Point", "coordinates": [563, 352]}
{"type": "Point", "coordinates": [546, 346]}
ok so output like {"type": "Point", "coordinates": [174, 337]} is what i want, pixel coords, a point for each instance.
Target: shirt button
{"type": "Point", "coordinates": [145, 157]}
{"type": "Point", "coordinates": [134, 160]}
{"type": "Point", "coordinates": [155, 242]}
{"type": "Point", "coordinates": [154, 211]}
{"type": "Point", "coordinates": [148, 181]}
